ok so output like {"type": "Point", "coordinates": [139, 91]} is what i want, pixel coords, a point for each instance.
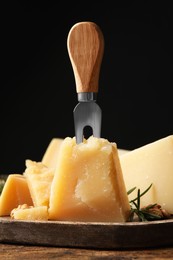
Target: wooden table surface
{"type": "Point", "coordinates": [11, 251]}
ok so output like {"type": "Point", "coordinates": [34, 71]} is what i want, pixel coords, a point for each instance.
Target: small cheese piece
{"type": "Point", "coordinates": [50, 156]}
{"type": "Point", "coordinates": [151, 164]}
{"type": "Point", "coordinates": [88, 184]}
{"type": "Point", "coordinates": [39, 178]}
{"type": "Point", "coordinates": [25, 212]}
{"type": "Point", "coordinates": [15, 192]}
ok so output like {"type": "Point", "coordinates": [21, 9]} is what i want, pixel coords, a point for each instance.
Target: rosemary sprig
{"type": "Point", "coordinates": [148, 213]}
{"type": "Point", "coordinates": [140, 195]}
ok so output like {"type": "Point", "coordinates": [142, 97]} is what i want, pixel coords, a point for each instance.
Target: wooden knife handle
{"type": "Point", "coordinates": [85, 44]}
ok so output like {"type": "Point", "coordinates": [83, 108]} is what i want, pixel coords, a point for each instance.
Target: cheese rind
{"type": "Point", "coordinates": [151, 164]}
{"type": "Point", "coordinates": [15, 192]}
{"type": "Point", "coordinates": [39, 178]}
{"type": "Point", "coordinates": [88, 184]}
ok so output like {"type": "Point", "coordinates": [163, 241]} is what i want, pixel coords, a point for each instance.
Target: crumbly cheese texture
{"type": "Point", "coordinates": [15, 192]}
{"type": "Point", "coordinates": [151, 164]}
{"type": "Point", "coordinates": [51, 154]}
{"type": "Point", "coordinates": [88, 183]}
{"type": "Point", "coordinates": [39, 178]}
{"type": "Point", "coordinates": [25, 212]}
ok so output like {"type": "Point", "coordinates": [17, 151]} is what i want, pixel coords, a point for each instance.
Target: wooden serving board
{"type": "Point", "coordinates": [87, 235]}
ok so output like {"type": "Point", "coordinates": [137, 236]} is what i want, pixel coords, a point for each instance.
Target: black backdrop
{"type": "Point", "coordinates": [37, 84]}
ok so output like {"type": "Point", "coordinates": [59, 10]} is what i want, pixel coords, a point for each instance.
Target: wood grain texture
{"type": "Point", "coordinates": [128, 235]}
{"type": "Point", "coordinates": [85, 44]}
{"type": "Point", "coordinates": [9, 252]}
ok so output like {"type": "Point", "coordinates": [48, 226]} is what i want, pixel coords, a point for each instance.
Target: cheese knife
{"type": "Point", "coordinates": [85, 44]}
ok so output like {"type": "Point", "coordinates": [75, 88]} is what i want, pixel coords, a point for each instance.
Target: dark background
{"type": "Point", "coordinates": [38, 91]}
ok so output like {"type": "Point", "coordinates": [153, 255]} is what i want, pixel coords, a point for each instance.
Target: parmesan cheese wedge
{"type": "Point", "coordinates": [88, 183]}
{"type": "Point", "coordinates": [15, 192]}
{"type": "Point", "coordinates": [151, 164]}
{"type": "Point", "coordinates": [39, 178]}
{"type": "Point", "coordinates": [51, 154]}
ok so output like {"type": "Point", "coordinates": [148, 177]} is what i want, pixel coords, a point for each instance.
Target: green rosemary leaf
{"type": "Point", "coordinates": [141, 216]}
{"type": "Point", "coordinates": [131, 190]}
{"type": "Point", "coordinates": [145, 191]}
{"type": "Point", "coordinates": [135, 204]}
{"type": "Point", "coordinates": [150, 216]}
{"type": "Point", "coordinates": [138, 200]}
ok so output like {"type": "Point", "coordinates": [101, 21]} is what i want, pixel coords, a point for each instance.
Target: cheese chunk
{"type": "Point", "coordinates": [50, 156]}
{"type": "Point", "coordinates": [151, 164]}
{"type": "Point", "coordinates": [25, 212]}
{"type": "Point", "coordinates": [15, 192]}
{"type": "Point", "coordinates": [88, 184]}
{"type": "Point", "coordinates": [39, 178]}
